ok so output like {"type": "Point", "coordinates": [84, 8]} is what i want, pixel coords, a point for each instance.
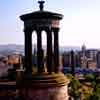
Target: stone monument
{"type": "Point", "coordinates": [50, 85]}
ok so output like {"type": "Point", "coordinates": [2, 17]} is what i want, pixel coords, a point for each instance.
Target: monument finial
{"type": "Point", "coordinates": [41, 5]}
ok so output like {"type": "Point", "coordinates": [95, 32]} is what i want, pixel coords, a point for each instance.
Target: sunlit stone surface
{"type": "Point", "coordinates": [56, 93]}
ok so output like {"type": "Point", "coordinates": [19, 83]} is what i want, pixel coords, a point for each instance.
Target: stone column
{"type": "Point", "coordinates": [28, 50]}
{"type": "Point", "coordinates": [56, 50]}
{"type": "Point", "coordinates": [49, 51]}
{"type": "Point", "coordinates": [39, 51]}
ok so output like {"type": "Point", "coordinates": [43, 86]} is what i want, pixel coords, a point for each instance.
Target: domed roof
{"type": "Point", "coordinates": [41, 14]}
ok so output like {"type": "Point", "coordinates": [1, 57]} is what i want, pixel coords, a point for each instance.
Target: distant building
{"type": "Point", "coordinates": [13, 59]}
{"type": "Point", "coordinates": [91, 53]}
{"type": "Point", "coordinates": [88, 57]}
{"type": "Point", "coordinates": [83, 58]}
{"type": "Point", "coordinates": [77, 60]}
{"type": "Point", "coordinates": [98, 59]}
{"type": "Point", "coordinates": [66, 59]}
{"type": "Point", "coordinates": [4, 59]}
{"type": "Point", "coordinates": [91, 64]}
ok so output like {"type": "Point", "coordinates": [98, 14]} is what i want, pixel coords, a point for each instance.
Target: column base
{"type": "Point", "coordinates": [45, 87]}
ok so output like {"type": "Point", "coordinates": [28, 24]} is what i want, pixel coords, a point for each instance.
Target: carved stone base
{"type": "Point", "coordinates": [55, 93]}
{"type": "Point", "coordinates": [44, 87]}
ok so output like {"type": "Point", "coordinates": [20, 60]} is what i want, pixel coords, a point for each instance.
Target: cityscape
{"type": "Point", "coordinates": [85, 59]}
{"type": "Point", "coordinates": [50, 67]}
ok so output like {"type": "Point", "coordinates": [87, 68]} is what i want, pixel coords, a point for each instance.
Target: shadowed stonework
{"type": "Point", "coordinates": [55, 93]}
{"type": "Point", "coordinates": [50, 85]}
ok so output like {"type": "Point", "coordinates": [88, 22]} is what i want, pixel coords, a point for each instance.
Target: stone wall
{"type": "Point", "coordinates": [55, 93]}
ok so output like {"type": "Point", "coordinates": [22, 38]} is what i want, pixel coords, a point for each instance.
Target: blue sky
{"type": "Point", "coordinates": [80, 25]}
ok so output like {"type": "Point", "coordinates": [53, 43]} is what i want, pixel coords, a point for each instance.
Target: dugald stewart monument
{"type": "Point", "coordinates": [42, 85]}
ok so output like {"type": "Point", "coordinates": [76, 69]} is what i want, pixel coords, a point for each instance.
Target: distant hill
{"type": "Point", "coordinates": [13, 48]}
{"type": "Point", "coordinates": [69, 48]}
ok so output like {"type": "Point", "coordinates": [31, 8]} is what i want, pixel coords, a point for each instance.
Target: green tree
{"type": "Point", "coordinates": [95, 95]}
{"type": "Point", "coordinates": [74, 87]}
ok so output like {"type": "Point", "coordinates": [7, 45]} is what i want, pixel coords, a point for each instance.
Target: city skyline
{"type": "Point", "coordinates": [79, 26]}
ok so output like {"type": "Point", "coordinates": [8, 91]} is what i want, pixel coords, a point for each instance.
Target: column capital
{"type": "Point", "coordinates": [28, 29]}
{"type": "Point", "coordinates": [55, 29]}
{"type": "Point", "coordinates": [38, 28]}
{"type": "Point", "coordinates": [47, 29]}
{"type": "Point", "coordinates": [38, 31]}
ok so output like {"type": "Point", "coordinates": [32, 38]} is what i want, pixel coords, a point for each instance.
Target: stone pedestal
{"type": "Point", "coordinates": [55, 93]}
{"type": "Point", "coordinates": [44, 87]}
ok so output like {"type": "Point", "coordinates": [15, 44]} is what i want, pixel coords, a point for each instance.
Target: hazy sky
{"type": "Point", "coordinates": [80, 25]}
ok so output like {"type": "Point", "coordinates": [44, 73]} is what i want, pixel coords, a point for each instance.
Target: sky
{"type": "Point", "coordinates": [80, 24]}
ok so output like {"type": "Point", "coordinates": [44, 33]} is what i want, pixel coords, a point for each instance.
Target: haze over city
{"type": "Point", "coordinates": [79, 26]}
